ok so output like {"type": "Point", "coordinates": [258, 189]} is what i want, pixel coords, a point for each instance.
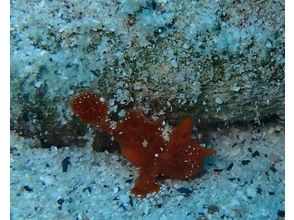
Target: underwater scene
{"type": "Point", "coordinates": [147, 109]}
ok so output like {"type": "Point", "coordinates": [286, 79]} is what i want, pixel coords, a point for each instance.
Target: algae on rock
{"type": "Point", "coordinates": [212, 61]}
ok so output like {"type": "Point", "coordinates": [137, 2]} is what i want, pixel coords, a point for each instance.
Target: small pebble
{"type": "Point", "coordinates": [234, 151]}
{"type": "Point", "coordinates": [218, 170]}
{"type": "Point", "coordinates": [60, 202]}
{"type": "Point", "coordinates": [273, 169]}
{"type": "Point", "coordinates": [255, 154]}
{"type": "Point", "coordinates": [281, 213]}
{"type": "Point", "coordinates": [230, 166]}
{"type": "Point", "coordinates": [245, 162]}
{"type": "Point", "coordinates": [278, 128]}
{"type": "Point", "coordinates": [27, 188]}
{"type": "Point", "coordinates": [218, 100]}
{"type": "Point", "coordinates": [202, 218]}
{"type": "Point", "coordinates": [185, 191]}
{"type": "Point", "coordinates": [65, 164]}
{"type": "Point", "coordinates": [235, 88]}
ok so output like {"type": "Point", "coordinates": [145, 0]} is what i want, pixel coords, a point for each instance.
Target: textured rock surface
{"type": "Point", "coordinates": [214, 61]}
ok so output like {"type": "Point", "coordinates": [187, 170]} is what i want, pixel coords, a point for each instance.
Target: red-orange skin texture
{"type": "Point", "coordinates": [89, 108]}
{"type": "Point", "coordinates": [141, 142]}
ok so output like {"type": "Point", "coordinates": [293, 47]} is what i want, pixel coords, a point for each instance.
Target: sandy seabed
{"type": "Point", "coordinates": [245, 180]}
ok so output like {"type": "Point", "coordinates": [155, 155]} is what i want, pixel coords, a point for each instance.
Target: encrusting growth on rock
{"type": "Point", "coordinates": [142, 143]}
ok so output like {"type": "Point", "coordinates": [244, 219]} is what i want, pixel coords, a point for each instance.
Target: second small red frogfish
{"type": "Point", "coordinates": [148, 145]}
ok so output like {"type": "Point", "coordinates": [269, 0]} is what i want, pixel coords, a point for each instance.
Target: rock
{"type": "Point", "coordinates": [164, 57]}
